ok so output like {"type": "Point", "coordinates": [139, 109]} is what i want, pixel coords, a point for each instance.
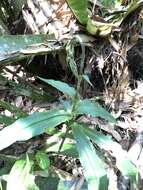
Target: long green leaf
{"type": "Point", "coordinates": [14, 47]}
{"type": "Point", "coordinates": [9, 43]}
{"type": "Point", "coordinates": [79, 9]}
{"type": "Point", "coordinates": [123, 161]}
{"type": "Point", "coordinates": [93, 167]}
{"type": "Point", "coordinates": [33, 125]}
{"type": "Point", "coordinates": [61, 86]}
{"type": "Point", "coordinates": [20, 177]}
{"type": "Point", "coordinates": [94, 109]}
{"type": "Point", "coordinates": [17, 47]}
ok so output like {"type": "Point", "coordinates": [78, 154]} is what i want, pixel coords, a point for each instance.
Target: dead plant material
{"type": "Point", "coordinates": [48, 17]}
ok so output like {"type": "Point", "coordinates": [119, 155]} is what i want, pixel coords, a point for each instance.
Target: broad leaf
{"type": "Point", "coordinates": [123, 161]}
{"type": "Point", "coordinates": [14, 43]}
{"type": "Point", "coordinates": [20, 177]}
{"type": "Point", "coordinates": [13, 47]}
{"type": "Point", "coordinates": [8, 161]}
{"type": "Point", "coordinates": [99, 28]}
{"type": "Point", "coordinates": [1, 188]}
{"type": "Point", "coordinates": [79, 9]}
{"type": "Point", "coordinates": [66, 104]}
{"type": "Point", "coordinates": [69, 149]}
{"type": "Point", "coordinates": [94, 109]}
{"type": "Point", "coordinates": [33, 125]}
{"type": "Point", "coordinates": [16, 47]}
{"type": "Point", "coordinates": [94, 171]}
{"type": "Point", "coordinates": [54, 142]}
{"type": "Point", "coordinates": [61, 86]}
{"type": "Point", "coordinates": [43, 160]}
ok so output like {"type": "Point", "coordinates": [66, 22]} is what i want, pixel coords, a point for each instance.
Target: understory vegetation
{"type": "Point", "coordinates": [71, 95]}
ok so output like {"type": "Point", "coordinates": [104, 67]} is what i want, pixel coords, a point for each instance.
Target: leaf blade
{"type": "Point", "coordinates": [90, 160]}
{"type": "Point", "coordinates": [123, 161]}
{"type": "Point", "coordinates": [43, 160]}
{"type": "Point", "coordinates": [94, 109]}
{"type": "Point", "coordinates": [33, 125]}
{"type": "Point", "coordinates": [20, 177]}
{"type": "Point", "coordinates": [79, 9]}
{"type": "Point", "coordinates": [61, 86]}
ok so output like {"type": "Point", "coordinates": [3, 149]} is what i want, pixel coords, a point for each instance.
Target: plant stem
{"type": "Point", "coordinates": [76, 97]}
{"type": "Point", "coordinates": [79, 79]}
{"type": "Point", "coordinates": [63, 140]}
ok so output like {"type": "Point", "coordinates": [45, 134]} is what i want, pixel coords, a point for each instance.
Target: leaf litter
{"type": "Point", "coordinates": [114, 65]}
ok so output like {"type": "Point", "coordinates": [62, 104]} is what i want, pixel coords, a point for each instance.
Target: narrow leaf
{"type": "Point", "coordinates": [93, 167]}
{"type": "Point", "coordinates": [33, 125]}
{"type": "Point", "coordinates": [70, 58]}
{"type": "Point", "coordinates": [86, 78]}
{"type": "Point", "coordinates": [61, 86]}
{"type": "Point", "coordinates": [94, 109]}
{"type": "Point", "coordinates": [123, 161]}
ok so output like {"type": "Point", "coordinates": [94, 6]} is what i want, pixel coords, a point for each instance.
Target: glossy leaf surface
{"type": "Point", "coordinates": [12, 47]}
{"type": "Point", "coordinates": [123, 161]}
{"type": "Point", "coordinates": [79, 9]}
{"type": "Point", "coordinates": [94, 109]}
{"type": "Point", "coordinates": [33, 125]}
{"type": "Point", "coordinates": [43, 160]}
{"type": "Point", "coordinates": [61, 86]}
{"type": "Point", "coordinates": [94, 171]}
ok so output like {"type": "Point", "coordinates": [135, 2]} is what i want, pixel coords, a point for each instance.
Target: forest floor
{"type": "Point", "coordinates": [117, 87]}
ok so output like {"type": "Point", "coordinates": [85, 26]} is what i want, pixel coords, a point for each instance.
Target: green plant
{"type": "Point", "coordinates": [73, 107]}
{"type": "Point", "coordinates": [105, 16]}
